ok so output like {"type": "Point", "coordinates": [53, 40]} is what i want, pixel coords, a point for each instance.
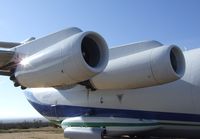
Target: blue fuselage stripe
{"type": "Point", "coordinates": [72, 111]}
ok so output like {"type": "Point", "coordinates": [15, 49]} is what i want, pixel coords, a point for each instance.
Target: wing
{"type": "Point", "coordinates": [8, 44]}
{"type": "Point", "coordinates": [7, 61]}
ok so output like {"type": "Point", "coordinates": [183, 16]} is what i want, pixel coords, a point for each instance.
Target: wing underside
{"type": "Point", "coordinates": [7, 60]}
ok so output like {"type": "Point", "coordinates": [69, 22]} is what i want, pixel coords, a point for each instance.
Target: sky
{"type": "Point", "coordinates": [118, 21]}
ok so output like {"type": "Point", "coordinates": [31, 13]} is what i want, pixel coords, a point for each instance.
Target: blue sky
{"type": "Point", "coordinates": [118, 21]}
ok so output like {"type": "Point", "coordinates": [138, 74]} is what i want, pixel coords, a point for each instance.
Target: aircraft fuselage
{"type": "Point", "coordinates": [164, 110]}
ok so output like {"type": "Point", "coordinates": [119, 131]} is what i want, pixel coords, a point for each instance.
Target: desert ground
{"type": "Point", "coordinates": [43, 133]}
{"type": "Point", "coordinates": [33, 133]}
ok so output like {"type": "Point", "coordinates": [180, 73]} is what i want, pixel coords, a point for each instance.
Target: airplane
{"type": "Point", "coordinates": [141, 89]}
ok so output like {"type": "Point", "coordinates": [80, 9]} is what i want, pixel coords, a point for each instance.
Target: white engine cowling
{"type": "Point", "coordinates": [147, 68]}
{"type": "Point", "coordinates": [72, 60]}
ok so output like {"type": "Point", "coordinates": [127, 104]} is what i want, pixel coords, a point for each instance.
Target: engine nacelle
{"type": "Point", "coordinates": [147, 68]}
{"type": "Point", "coordinates": [72, 60]}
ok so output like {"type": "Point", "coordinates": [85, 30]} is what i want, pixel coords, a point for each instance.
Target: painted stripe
{"type": "Point", "coordinates": [74, 111]}
{"type": "Point", "coordinates": [95, 124]}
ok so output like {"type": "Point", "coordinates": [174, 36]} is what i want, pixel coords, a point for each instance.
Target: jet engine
{"type": "Point", "coordinates": [72, 56]}
{"type": "Point", "coordinates": [146, 68]}
{"type": "Point", "coordinates": [71, 60]}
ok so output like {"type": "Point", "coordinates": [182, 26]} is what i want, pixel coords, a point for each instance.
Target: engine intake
{"type": "Point", "coordinates": [90, 54]}
{"type": "Point", "coordinates": [177, 62]}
